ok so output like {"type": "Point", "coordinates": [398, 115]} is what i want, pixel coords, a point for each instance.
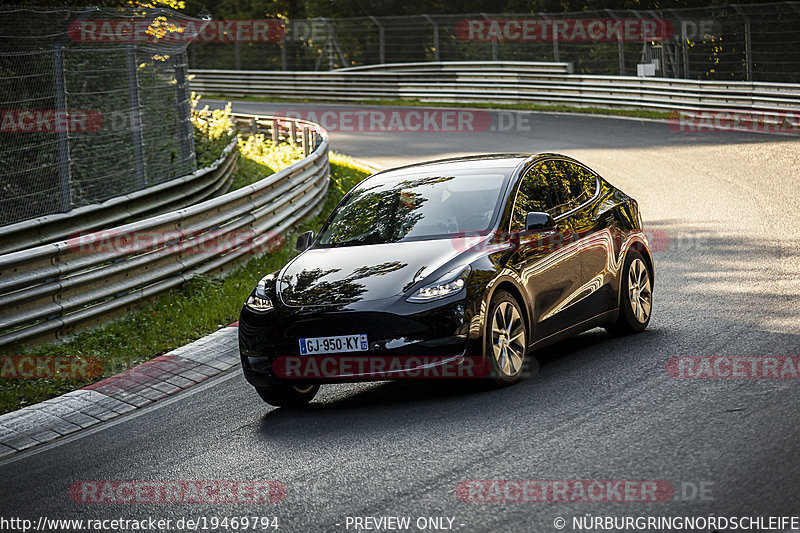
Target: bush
{"type": "Point", "coordinates": [213, 131]}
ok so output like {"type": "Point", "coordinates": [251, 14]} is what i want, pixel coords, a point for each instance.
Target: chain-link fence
{"type": "Point", "coordinates": [758, 42]}
{"type": "Point", "coordinates": [93, 104]}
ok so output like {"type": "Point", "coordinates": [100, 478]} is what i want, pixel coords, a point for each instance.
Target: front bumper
{"type": "Point", "coordinates": [405, 340]}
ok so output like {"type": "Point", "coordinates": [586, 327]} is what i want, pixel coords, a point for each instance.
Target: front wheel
{"type": "Point", "coordinates": [636, 296]}
{"type": "Point", "coordinates": [506, 339]}
{"type": "Point", "coordinates": [282, 395]}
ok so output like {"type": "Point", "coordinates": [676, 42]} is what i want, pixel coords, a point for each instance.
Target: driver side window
{"type": "Point", "coordinates": [536, 193]}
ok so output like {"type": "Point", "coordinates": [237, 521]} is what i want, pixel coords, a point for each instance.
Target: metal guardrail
{"type": "Point", "coordinates": [52, 290]}
{"type": "Point", "coordinates": [503, 83]}
{"type": "Point", "coordinates": [179, 192]}
{"type": "Point", "coordinates": [544, 67]}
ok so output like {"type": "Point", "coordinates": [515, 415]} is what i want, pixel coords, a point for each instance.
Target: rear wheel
{"type": "Point", "coordinates": [282, 395]}
{"type": "Point", "coordinates": [507, 338]}
{"type": "Point", "coordinates": [636, 296]}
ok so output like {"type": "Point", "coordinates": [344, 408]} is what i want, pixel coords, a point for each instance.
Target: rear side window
{"type": "Point", "coordinates": [554, 187]}
{"type": "Point", "coordinates": [577, 184]}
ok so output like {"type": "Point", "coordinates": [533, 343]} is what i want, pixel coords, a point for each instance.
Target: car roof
{"type": "Point", "coordinates": [498, 162]}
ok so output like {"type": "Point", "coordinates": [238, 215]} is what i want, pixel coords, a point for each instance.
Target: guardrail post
{"type": "Point", "coordinates": [381, 39]}
{"type": "Point", "coordinates": [275, 133]}
{"type": "Point", "coordinates": [435, 37]}
{"type": "Point", "coordinates": [293, 132]}
{"type": "Point", "coordinates": [64, 170]}
{"type": "Point", "coordinates": [304, 133]}
{"type": "Point", "coordinates": [253, 127]}
{"type": "Point", "coordinates": [136, 118]}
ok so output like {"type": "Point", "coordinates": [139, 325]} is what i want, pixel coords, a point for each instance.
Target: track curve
{"type": "Point", "coordinates": [722, 208]}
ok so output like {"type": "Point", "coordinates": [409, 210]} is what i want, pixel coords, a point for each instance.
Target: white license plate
{"type": "Point", "coordinates": [342, 343]}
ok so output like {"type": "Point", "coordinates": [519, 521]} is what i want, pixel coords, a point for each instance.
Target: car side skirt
{"type": "Point", "coordinates": [603, 319]}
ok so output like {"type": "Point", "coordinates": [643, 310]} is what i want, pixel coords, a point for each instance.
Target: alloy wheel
{"type": "Point", "coordinates": [508, 339]}
{"type": "Point", "coordinates": [639, 293]}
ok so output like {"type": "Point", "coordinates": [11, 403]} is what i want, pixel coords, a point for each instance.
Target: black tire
{"type": "Point", "coordinates": [506, 316]}
{"type": "Point", "coordinates": [282, 395]}
{"type": "Point", "coordinates": [632, 320]}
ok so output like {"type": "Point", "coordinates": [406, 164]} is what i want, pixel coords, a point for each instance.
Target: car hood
{"type": "Point", "coordinates": [340, 276]}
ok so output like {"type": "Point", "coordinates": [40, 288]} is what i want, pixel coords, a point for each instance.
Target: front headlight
{"type": "Point", "coordinates": [259, 301]}
{"type": "Point", "coordinates": [449, 284]}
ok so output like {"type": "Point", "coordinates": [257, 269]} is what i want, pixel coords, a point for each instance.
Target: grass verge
{"type": "Point", "coordinates": [636, 113]}
{"type": "Point", "coordinates": [197, 308]}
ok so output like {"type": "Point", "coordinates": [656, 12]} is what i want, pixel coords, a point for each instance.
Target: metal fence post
{"type": "Point", "coordinates": [494, 41]}
{"type": "Point", "coordinates": [253, 127]}
{"type": "Point", "coordinates": [283, 53]}
{"type": "Point", "coordinates": [685, 49]}
{"type": "Point", "coordinates": [274, 131]}
{"type": "Point", "coordinates": [185, 129]}
{"type": "Point", "coordinates": [135, 107]}
{"type": "Point", "coordinates": [748, 49]}
{"type": "Point", "coordinates": [554, 38]}
{"type": "Point", "coordinates": [304, 133]}
{"type": "Point", "coordinates": [620, 45]}
{"type": "Point", "coordinates": [331, 46]}
{"type": "Point", "coordinates": [381, 40]}
{"type": "Point", "coordinates": [293, 132]}
{"type": "Point", "coordinates": [748, 42]}
{"type": "Point", "coordinates": [64, 170]}
{"type": "Point", "coordinates": [435, 26]}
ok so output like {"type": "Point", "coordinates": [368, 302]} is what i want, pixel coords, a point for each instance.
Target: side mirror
{"type": "Point", "coordinates": [304, 241]}
{"type": "Point", "coordinates": [536, 221]}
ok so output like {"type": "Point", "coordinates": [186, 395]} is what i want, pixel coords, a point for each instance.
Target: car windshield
{"type": "Point", "coordinates": [415, 208]}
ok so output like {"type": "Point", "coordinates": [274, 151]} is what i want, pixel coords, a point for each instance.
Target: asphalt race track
{"type": "Point", "coordinates": [723, 211]}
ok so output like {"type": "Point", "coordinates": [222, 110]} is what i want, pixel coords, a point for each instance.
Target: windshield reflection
{"type": "Point", "coordinates": [416, 208]}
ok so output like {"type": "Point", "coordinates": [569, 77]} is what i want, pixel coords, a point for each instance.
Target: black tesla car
{"type": "Point", "coordinates": [456, 268]}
